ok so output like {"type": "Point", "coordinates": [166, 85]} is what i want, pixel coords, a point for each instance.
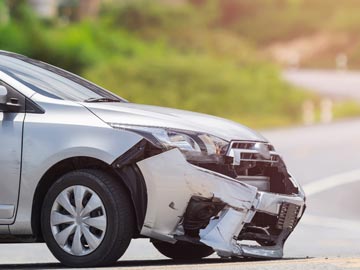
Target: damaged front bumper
{"type": "Point", "coordinates": [190, 203]}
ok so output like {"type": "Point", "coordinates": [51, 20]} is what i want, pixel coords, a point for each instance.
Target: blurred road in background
{"type": "Point", "coordinates": [326, 161]}
{"type": "Point", "coordinates": [337, 84]}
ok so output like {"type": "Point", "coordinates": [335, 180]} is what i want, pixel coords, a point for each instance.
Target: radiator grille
{"type": "Point", "coordinates": [243, 151]}
{"type": "Point", "coordinates": [287, 216]}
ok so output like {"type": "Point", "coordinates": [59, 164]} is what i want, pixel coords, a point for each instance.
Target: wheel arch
{"type": "Point", "coordinates": [129, 176]}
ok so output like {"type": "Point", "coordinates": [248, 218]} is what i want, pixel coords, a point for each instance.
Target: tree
{"type": "Point", "coordinates": [87, 9]}
{"type": "Point", "coordinates": [15, 8]}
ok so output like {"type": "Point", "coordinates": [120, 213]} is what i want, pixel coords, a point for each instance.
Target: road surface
{"type": "Point", "coordinates": [325, 159]}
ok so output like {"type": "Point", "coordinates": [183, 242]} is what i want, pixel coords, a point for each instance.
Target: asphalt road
{"type": "Point", "coordinates": [326, 161]}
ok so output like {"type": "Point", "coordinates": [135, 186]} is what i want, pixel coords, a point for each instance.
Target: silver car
{"type": "Point", "coordinates": [86, 171]}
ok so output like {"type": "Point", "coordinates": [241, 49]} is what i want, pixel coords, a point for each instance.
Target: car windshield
{"type": "Point", "coordinates": [51, 81]}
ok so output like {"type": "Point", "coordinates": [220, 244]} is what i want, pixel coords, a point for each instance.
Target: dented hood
{"type": "Point", "coordinates": [153, 116]}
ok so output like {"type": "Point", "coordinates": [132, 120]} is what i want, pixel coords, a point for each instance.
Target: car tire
{"type": "Point", "coordinates": [183, 250]}
{"type": "Point", "coordinates": [101, 236]}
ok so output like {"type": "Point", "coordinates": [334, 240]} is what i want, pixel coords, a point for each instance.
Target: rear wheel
{"type": "Point", "coordinates": [87, 219]}
{"type": "Point", "coordinates": [183, 250]}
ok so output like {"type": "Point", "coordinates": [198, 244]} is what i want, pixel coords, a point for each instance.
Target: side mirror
{"type": "Point", "coordinates": [3, 94]}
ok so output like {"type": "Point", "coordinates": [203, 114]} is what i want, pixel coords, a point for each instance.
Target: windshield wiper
{"type": "Point", "coordinates": [102, 99]}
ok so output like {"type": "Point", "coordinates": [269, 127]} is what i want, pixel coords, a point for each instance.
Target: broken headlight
{"type": "Point", "coordinates": [199, 147]}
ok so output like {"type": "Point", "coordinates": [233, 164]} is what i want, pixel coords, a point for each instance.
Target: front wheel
{"type": "Point", "coordinates": [87, 219]}
{"type": "Point", "coordinates": [183, 250]}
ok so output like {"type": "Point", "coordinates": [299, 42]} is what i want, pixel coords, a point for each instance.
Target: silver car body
{"type": "Point", "coordinates": [31, 144]}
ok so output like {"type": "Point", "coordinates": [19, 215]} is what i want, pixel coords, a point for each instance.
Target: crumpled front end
{"type": "Point", "coordinates": [248, 196]}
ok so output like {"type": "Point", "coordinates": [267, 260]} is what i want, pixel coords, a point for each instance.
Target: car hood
{"type": "Point", "coordinates": [153, 116]}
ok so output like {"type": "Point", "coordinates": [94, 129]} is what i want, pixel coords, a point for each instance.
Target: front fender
{"type": "Point", "coordinates": [66, 130]}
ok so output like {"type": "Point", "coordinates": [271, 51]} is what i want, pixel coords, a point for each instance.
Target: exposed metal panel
{"type": "Point", "coordinates": [172, 182]}
{"type": "Point", "coordinates": [171, 186]}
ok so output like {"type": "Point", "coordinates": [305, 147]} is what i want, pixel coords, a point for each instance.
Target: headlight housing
{"type": "Point", "coordinates": [197, 147]}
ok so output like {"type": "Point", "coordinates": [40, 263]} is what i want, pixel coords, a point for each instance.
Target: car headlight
{"type": "Point", "coordinates": [199, 147]}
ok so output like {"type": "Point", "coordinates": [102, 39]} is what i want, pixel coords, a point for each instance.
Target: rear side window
{"type": "Point", "coordinates": [13, 94]}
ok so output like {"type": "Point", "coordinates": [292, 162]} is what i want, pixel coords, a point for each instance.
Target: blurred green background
{"type": "Point", "coordinates": [222, 57]}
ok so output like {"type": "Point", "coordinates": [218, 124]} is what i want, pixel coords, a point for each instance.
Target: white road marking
{"type": "Point", "coordinates": [326, 184]}
{"type": "Point", "coordinates": [331, 182]}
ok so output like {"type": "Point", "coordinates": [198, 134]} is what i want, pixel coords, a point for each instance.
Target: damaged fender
{"type": "Point", "coordinates": [177, 188]}
{"type": "Point", "coordinates": [172, 185]}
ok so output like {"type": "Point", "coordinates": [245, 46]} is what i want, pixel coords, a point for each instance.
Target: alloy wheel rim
{"type": "Point", "coordinates": [78, 220]}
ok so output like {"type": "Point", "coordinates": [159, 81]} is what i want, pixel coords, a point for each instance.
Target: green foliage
{"type": "Point", "coordinates": [13, 39]}
{"type": "Point", "coordinates": [202, 83]}
{"type": "Point", "coordinates": [163, 55]}
{"type": "Point", "coordinates": [142, 15]}
{"type": "Point", "coordinates": [346, 109]}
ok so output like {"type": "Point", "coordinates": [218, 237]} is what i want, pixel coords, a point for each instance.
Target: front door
{"type": "Point", "coordinates": [11, 131]}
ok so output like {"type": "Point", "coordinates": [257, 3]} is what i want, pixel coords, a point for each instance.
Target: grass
{"type": "Point", "coordinates": [346, 109]}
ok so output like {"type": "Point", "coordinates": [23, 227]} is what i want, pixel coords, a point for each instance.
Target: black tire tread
{"type": "Point", "coordinates": [120, 239]}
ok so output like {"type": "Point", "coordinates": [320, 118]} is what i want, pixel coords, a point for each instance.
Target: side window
{"type": "Point", "coordinates": [24, 104]}
{"type": "Point", "coordinates": [14, 97]}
